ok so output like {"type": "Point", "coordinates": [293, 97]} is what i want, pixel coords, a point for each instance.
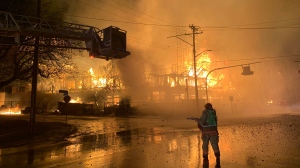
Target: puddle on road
{"type": "Point", "coordinates": [103, 144]}
{"type": "Point", "coordinates": [271, 144]}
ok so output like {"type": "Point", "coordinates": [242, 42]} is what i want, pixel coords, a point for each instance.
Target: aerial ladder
{"type": "Point", "coordinates": [108, 43]}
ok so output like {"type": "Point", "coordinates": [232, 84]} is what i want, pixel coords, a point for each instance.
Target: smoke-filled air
{"type": "Point", "coordinates": [150, 83]}
{"type": "Point", "coordinates": [246, 52]}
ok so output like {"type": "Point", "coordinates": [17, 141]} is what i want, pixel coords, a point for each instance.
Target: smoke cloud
{"type": "Point", "coordinates": [238, 32]}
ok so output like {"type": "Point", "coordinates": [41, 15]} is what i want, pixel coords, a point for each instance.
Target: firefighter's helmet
{"type": "Point", "coordinates": [208, 106]}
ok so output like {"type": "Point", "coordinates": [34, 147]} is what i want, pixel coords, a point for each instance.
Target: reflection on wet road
{"type": "Point", "coordinates": [156, 142]}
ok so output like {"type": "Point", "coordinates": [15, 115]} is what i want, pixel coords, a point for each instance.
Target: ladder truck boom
{"type": "Point", "coordinates": [108, 43]}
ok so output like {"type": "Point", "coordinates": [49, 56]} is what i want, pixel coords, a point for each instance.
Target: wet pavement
{"type": "Point", "coordinates": [146, 142]}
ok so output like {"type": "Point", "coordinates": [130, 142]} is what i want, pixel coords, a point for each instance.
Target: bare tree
{"type": "Point", "coordinates": [16, 61]}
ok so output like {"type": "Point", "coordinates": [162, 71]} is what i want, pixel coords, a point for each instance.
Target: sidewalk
{"type": "Point", "coordinates": [14, 131]}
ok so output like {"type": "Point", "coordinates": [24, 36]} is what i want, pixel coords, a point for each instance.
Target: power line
{"type": "Point", "coordinates": [103, 10]}
{"type": "Point", "coordinates": [141, 42]}
{"type": "Point", "coordinates": [137, 23]}
{"type": "Point", "coordinates": [125, 17]}
{"type": "Point", "coordinates": [209, 28]}
{"type": "Point", "coordinates": [170, 25]}
{"type": "Point", "coordinates": [134, 14]}
{"type": "Point", "coordinates": [251, 28]}
{"type": "Point", "coordinates": [140, 12]}
{"type": "Point", "coordinates": [202, 27]}
{"type": "Point", "coordinates": [275, 21]}
{"type": "Point", "coordinates": [124, 10]}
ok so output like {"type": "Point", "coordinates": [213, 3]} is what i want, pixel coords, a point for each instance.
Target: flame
{"type": "Point", "coordinates": [172, 83]}
{"type": "Point", "coordinates": [77, 100]}
{"type": "Point", "coordinates": [12, 111]}
{"type": "Point", "coordinates": [97, 81]}
{"type": "Point", "coordinates": [91, 71]}
{"type": "Point", "coordinates": [203, 67]}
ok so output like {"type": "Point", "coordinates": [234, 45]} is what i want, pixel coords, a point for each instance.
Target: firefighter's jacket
{"type": "Point", "coordinates": [207, 123]}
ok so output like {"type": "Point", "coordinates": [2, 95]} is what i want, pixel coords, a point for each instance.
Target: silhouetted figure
{"type": "Point", "coordinates": [122, 110]}
{"type": "Point", "coordinates": [207, 123]}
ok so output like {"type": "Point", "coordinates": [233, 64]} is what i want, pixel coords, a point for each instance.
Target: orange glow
{"type": "Point", "coordinates": [270, 102]}
{"type": "Point", "coordinates": [203, 67]}
{"type": "Point", "coordinates": [173, 145]}
{"type": "Point", "coordinates": [12, 111]}
{"type": "Point", "coordinates": [172, 83]}
{"type": "Point", "coordinates": [78, 100]}
{"type": "Point", "coordinates": [97, 81]}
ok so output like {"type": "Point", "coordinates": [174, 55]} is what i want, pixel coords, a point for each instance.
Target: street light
{"type": "Point", "coordinates": [246, 71]}
{"type": "Point", "coordinates": [195, 75]}
{"type": "Point", "coordinates": [202, 52]}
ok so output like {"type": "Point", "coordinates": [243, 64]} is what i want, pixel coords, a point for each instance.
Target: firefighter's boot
{"type": "Point", "coordinates": [205, 161]}
{"type": "Point", "coordinates": [218, 162]}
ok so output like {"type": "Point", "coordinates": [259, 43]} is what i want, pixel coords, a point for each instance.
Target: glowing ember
{"type": "Point", "coordinates": [270, 102]}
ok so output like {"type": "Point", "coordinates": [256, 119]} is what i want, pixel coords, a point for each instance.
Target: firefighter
{"type": "Point", "coordinates": [207, 123]}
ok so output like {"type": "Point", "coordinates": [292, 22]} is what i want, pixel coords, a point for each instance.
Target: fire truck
{"type": "Point", "coordinates": [108, 43]}
{"type": "Point", "coordinates": [76, 109]}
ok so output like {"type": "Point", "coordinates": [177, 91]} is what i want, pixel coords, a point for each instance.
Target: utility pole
{"type": "Point", "coordinates": [194, 29]}
{"type": "Point", "coordinates": [34, 75]}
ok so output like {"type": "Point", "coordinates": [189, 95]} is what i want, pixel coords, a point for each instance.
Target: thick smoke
{"type": "Point", "coordinates": [132, 71]}
{"type": "Point", "coordinates": [238, 32]}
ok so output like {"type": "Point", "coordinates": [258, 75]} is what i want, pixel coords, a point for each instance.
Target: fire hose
{"type": "Point", "coordinates": [196, 119]}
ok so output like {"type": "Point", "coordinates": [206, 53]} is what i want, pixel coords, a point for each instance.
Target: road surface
{"type": "Point", "coordinates": [152, 141]}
